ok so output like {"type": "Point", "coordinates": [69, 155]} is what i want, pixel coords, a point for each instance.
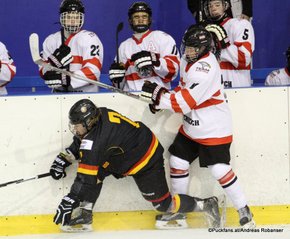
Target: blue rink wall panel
{"type": "Point", "coordinates": [19, 18]}
{"type": "Point", "coordinates": [35, 129]}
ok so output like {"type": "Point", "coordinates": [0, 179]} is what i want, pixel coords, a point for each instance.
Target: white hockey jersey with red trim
{"type": "Point", "coordinates": [237, 58]}
{"type": "Point", "coordinates": [278, 77]}
{"type": "Point", "coordinates": [154, 41]}
{"type": "Point", "coordinates": [200, 98]}
{"type": "Point", "coordinates": [87, 51]}
{"type": "Point", "coordinates": [7, 70]}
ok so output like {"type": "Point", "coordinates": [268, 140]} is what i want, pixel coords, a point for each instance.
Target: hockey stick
{"type": "Point", "coordinates": [25, 180]}
{"type": "Point", "coordinates": [34, 50]}
{"type": "Point", "coordinates": [119, 28]}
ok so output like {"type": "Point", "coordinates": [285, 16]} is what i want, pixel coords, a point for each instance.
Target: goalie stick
{"type": "Point", "coordinates": [25, 180]}
{"type": "Point", "coordinates": [34, 50]}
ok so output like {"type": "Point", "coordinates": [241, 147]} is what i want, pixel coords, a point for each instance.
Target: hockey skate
{"type": "Point", "coordinates": [211, 210]}
{"type": "Point", "coordinates": [246, 218]}
{"type": "Point", "coordinates": [171, 221]}
{"type": "Point", "coordinates": [81, 221]}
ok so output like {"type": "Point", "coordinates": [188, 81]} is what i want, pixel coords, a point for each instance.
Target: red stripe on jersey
{"type": "Point", "coordinates": [139, 41]}
{"type": "Point", "coordinates": [209, 141]}
{"type": "Point", "coordinates": [86, 166]}
{"type": "Point", "coordinates": [132, 77]}
{"type": "Point", "coordinates": [188, 98]}
{"type": "Point", "coordinates": [77, 60]}
{"type": "Point", "coordinates": [176, 89]}
{"type": "Point", "coordinates": [171, 71]}
{"type": "Point", "coordinates": [173, 58]}
{"type": "Point", "coordinates": [229, 66]}
{"type": "Point", "coordinates": [94, 61]}
{"type": "Point", "coordinates": [208, 103]}
{"type": "Point", "coordinates": [174, 104]}
{"type": "Point", "coordinates": [88, 73]}
{"type": "Point", "coordinates": [217, 93]}
{"type": "Point", "coordinates": [247, 45]}
{"type": "Point", "coordinates": [69, 39]}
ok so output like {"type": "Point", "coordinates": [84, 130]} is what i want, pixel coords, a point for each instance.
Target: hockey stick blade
{"type": "Point", "coordinates": [34, 50]}
{"type": "Point", "coordinates": [24, 180]}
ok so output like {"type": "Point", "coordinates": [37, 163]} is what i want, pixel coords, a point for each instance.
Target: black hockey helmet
{"type": "Point", "coordinates": [72, 23]}
{"type": "Point", "coordinates": [139, 7]}
{"type": "Point", "coordinates": [84, 112]}
{"type": "Point", "coordinates": [198, 37]}
{"type": "Point", "coordinates": [226, 5]}
{"type": "Point", "coordinates": [71, 6]}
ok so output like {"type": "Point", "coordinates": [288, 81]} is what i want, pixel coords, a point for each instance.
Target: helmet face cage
{"type": "Point", "coordinates": [72, 22]}
{"type": "Point", "coordinates": [196, 42]}
{"type": "Point", "coordinates": [72, 15]}
{"type": "Point", "coordinates": [207, 11]}
{"type": "Point", "coordinates": [139, 7]}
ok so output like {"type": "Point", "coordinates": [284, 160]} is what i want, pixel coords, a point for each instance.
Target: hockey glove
{"type": "Point", "coordinates": [65, 208]}
{"type": "Point", "coordinates": [55, 79]}
{"type": "Point", "coordinates": [220, 33]}
{"type": "Point", "coordinates": [144, 61]}
{"type": "Point", "coordinates": [152, 92]}
{"type": "Point", "coordinates": [57, 169]}
{"type": "Point", "coordinates": [61, 57]}
{"type": "Point", "coordinates": [117, 73]}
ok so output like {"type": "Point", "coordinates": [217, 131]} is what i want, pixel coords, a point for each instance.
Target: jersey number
{"type": "Point", "coordinates": [95, 50]}
{"type": "Point", "coordinates": [114, 117]}
{"type": "Point", "coordinates": [246, 34]}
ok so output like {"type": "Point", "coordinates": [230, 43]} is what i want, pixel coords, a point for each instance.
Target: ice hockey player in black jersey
{"type": "Point", "coordinates": [108, 143]}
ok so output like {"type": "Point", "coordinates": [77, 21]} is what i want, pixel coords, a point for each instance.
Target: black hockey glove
{"type": "Point", "coordinates": [65, 208]}
{"type": "Point", "coordinates": [61, 57]}
{"type": "Point", "coordinates": [55, 79]}
{"type": "Point", "coordinates": [221, 35]}
{"type": "Point", "coordinates": [57, 169]}
{"type": "Point", "coordinates": [144, 61]}
{"type": "Point", "coordinates": [152, 92]}
{"type": "Point", "coordinates": [117, 73]}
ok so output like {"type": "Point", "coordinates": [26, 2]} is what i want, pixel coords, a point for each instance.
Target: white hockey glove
{"type": "Point", "coordinates": [117, 73]}
{"type": "Point", "coordinates": [61, 57]}
{"type": "Point", "coordinates": [55, 79]}
{"type": "Point", "coordinates": [220, 33]}
{"type": "Point", "coordinates": [65, 208]}
{"type": "Point", "coordinates": [61, 162]}
{"type": "Point", "coordinates": [144, 62]}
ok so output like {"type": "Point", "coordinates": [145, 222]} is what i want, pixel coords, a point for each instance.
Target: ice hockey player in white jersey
{"type": "Point", "coordinates": [7, 69]}
{"type": "Point", "coordinates": [74, 49]}
{"type": "Point", "coordinates": [147, 55]}
{"type": "Point", "coordinates": [206, 131]}
{"type": "Point", "coordinates": [236, 41]}
{"type": "Point", "coordinates": [280, 76]}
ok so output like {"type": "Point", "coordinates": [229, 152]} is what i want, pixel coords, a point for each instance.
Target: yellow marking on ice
{"type": "Point", "coordinates": [135, 220]}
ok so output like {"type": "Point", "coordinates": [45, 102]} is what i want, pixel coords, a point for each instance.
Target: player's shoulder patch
{"type": "Point", "coordinates": [86, 144]}
{"type": "Point", "coordinates": [203, 66]}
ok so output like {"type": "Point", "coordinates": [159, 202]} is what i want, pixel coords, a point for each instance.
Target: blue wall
{"type": "Point", "coordinates": [19, 18]}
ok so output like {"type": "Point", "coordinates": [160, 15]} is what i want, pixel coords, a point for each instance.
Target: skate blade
{"type": "Point", "coordinates": [174, 224]}
{"type": "Point", "coordinates": [77, 228]}
{"type": "Point", "coordinates": [250, 225]}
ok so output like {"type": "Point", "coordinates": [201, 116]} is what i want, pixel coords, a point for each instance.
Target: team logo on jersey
{"type": "Point", "coordinates": [151, 47]}
{"type": "Point", "coordinates": [204, 67]}
{"type": "Point", "coordinates": [86, 144]}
